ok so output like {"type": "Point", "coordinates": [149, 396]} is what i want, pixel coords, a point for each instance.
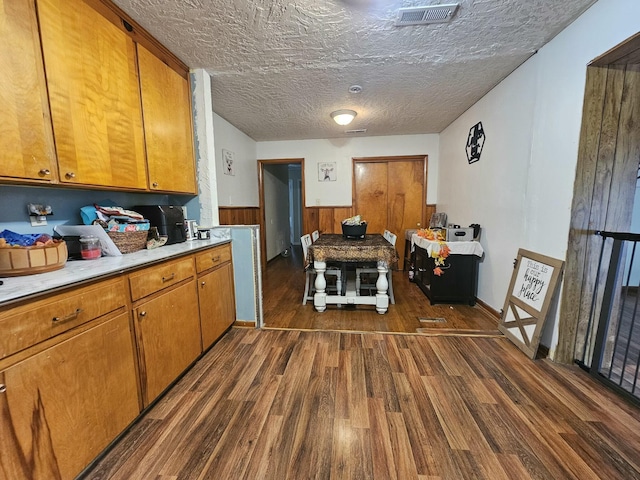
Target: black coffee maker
{"type": "Point", "coordinates": [168, 219]}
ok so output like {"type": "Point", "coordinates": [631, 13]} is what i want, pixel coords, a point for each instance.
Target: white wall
{"type": "Point", "coordinates": [521, 189]}
{"type": "Point", "coordinates": [240, 189]}
{"type": "Point", "coordinates": [341, 151]}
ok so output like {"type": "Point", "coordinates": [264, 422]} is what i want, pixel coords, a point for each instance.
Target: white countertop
{"type": "Point", "coordinates": [78, 271]}
{"type": "Point", "coordinates": [456, 248]}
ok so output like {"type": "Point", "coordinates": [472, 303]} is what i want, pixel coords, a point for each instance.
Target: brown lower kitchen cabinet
{"type": "Point", "coordinates": [62, 406]}
{"type": "Point", "coordinates": [215, 293]}
{"type": "Point", "coordinates": [79, 365]}
{"type": "Point", "coordinates": [167, 326]}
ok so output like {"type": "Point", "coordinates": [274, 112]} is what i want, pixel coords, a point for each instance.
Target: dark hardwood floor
{"type": "Point", "coordinates": [283, 287]}
{"type": "Point", "coordinates": [293, 404]}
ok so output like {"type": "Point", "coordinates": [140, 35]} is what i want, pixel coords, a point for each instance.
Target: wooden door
{"type": "Point", "coordinates": [166, 104]}
{"type": "Point", "coordinates": [95, 97]}
{"type": "Point", "coordinates": [390, 193]}
{"type": "Point", "coordinates": [168, 332]}
{"type": "Point", "coordinates": [61, 407]}
{"type": "Point", "coordinates": [26, 143]}
{"type": "Point", "coordinates": [371, 190]}
{"type": "Point", "coordinates": [217, 303]}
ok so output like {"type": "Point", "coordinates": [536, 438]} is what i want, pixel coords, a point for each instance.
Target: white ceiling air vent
{"type": "Point", "coordinates": [356, 130]}
{"type": "Point", "coordinates": [425, 15]}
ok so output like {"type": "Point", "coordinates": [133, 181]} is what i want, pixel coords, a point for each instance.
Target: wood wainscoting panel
{"type": "Point", "coordinates": [239, 215]}
{"type": "Point", "coordinates": [325, 219]}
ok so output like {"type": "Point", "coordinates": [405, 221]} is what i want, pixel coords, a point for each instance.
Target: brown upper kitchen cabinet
{"type": "Point", "coordinates": [166, 103]}
{"type": "Point", "coordinates": [26, 144]}
{"type": "Point", "coordinates": [94, 94]}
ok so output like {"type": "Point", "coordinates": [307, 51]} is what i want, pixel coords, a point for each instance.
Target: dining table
{"type": "Point", "coordinates": [336, 248]}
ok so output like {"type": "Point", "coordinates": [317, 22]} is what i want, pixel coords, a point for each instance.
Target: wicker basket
{"type": "Point", "coordinates": [129, 242]}
{"type": "Point", "coordinates": [15, 261]}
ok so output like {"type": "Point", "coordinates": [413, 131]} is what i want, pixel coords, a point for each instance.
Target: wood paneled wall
{"type": "Point", "coordinates": [239, 215]}
{"type": "Point", "coordinates": [604, 190]}
{"type": "Point", "coordinates": [327, 219]}
{"type": "Point", "coordinates": [324, 219]}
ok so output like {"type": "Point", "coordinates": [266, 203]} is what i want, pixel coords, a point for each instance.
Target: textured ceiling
{"type": "Point", "coordinates": [279, 67]}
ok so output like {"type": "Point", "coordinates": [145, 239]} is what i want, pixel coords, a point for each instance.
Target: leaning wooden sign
{"type": "Point", "coordinates": [533, 286]}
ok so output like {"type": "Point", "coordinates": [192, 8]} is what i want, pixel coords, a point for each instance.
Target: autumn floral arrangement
{"type": "Point", "coordinates": [439, 254]}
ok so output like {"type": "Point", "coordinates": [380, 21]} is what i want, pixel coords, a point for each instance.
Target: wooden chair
{"type": "Point", "coordinates": [310, 272]}
{"type": "Point", "coordinates": [373, 269]}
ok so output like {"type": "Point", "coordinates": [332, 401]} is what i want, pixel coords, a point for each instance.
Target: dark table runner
{"type": "Point", "coordinates": [336, 248]}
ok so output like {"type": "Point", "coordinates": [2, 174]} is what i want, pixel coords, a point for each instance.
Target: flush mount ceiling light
{"type": "Point", "coordinates": [343, 117]}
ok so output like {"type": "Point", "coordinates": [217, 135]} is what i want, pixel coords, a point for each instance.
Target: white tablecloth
{"type": "Point", "coordinates": [455, 248]}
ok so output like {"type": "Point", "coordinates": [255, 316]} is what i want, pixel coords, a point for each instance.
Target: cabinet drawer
{"type": "Point", "coordinates": [29, 324]}
{"type": "Point", "coordinates": [213, 257]}
{"type": "Point", "coordinates": [154, 279]}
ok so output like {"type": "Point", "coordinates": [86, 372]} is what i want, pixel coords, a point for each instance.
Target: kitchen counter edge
{"type": "Point", "coordinates": [75, 272]}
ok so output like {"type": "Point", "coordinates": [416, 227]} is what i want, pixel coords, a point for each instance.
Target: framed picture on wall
{"type": "Point", "coordinates": [327, 172]}
{"type": "Point", "coordinates": [228, 157]}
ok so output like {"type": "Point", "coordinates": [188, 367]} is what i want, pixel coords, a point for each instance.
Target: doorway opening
{"type": "Point", "coordinates": [281, 185]}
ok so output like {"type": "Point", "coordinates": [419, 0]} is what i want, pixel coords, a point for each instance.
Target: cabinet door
{"type": "Point", "coordinates": [217, 303]}
{"type": "Point", "coordinates": [95, 98]}
{"type": "Point", "coordinates": [61, 407]}
{"type": "Point", "coordinates": [26, 142]}
{"type": "Point", "coordinates": [168, 332]}
{"type": "Point", "coordinates": [166, 103]}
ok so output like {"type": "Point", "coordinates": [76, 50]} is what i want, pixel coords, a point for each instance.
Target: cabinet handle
{"type": "Point", "coordinates": [3, 388]}
{"type": "Point", "coordinates": [203, 283]}
{"type": "Point", "coordinates": [71, 316]}
{"type": "Point", "coordinates": [45, 172]}
{"type": "Point", "coordinates": [169, 278]}
{"type": "Point", "coordinates": [154, 184]}
{"type": "Point", "coordinates": [70, 175]}
{"type": "Point", "coordinates": [142, 314]}
{"type": "Point", "coordinates": [216, 259]}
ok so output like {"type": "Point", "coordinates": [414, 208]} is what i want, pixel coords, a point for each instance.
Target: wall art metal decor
{"type": "Point", "coordinates": [475, 142]}
{"type": "Point", "coordinates": [327, 172]}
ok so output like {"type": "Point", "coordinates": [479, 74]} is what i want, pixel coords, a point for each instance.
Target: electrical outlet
{"type": "Point", "coordinates": [38, 221]}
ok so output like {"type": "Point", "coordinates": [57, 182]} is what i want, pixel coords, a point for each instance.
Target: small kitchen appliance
{"type": "Point", "coordinates": [169, 219]}
{"type": "Point", "coordinates": [457, 234]}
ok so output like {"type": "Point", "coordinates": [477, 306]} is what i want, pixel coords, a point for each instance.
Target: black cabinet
{"type": "Point", "coordinates": [458, 282]}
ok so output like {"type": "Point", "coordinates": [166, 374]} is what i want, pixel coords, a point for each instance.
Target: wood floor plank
{"type": "Point", "coordinates": [416, 431]}
{"type": "Point", "coordinates": [278, 405]}
{"type": "Point", "coordinates": [449, 410]}
{"type": "Point", "coordinates": [401, 446]}
{"type": "Point", "coordinates": [379, 378]}
{"type": "Point", "coordinates": [384, 466]}
{"type": "Point", "coordinates": [263, 458]}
